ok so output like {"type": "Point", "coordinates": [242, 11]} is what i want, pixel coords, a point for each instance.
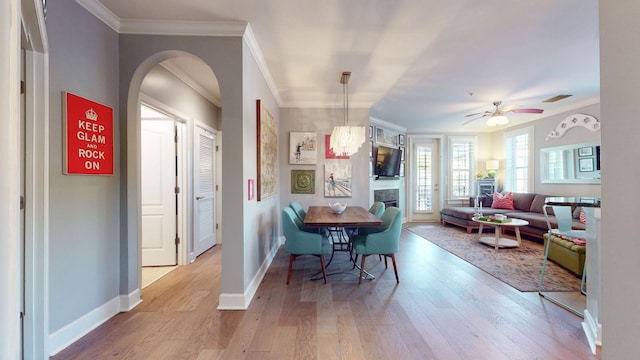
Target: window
{"type": "Point", "coordinates": [461, 160]}
{"type": "Point", "coordinates": [519, 160]}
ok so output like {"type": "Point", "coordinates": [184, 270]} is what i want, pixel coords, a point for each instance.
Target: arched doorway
{"type": "Point", "coordinates": [169, 85]}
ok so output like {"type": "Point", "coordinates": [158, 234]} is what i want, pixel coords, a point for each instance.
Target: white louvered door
{"type": "Point", "coordinates": [204, 232]}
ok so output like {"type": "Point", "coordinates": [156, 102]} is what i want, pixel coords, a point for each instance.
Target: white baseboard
{"type": "Point", "coordinates": [592, 330]}
{"type": "Point", "coordinates": [242, 301]}
{"type": "Point", "coordinates": [71, 333]}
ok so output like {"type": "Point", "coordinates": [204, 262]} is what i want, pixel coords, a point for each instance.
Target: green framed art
{"type": "Point", "coordinates": [303, 181]}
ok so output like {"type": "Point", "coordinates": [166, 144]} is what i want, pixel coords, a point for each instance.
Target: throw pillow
{"type": "Point", "coordinates": [502, 201]}
{"type": "Point", "coordinates": [583, 217]}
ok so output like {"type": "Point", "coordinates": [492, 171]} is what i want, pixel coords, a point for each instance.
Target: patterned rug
{"type": "Point", "coordinates": [518, 267]}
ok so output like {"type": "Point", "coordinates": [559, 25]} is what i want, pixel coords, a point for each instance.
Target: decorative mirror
{"type": "Point", "coordinates": [570, 164]}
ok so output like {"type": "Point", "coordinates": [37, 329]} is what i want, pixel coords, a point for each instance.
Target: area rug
{"type": "Point", "coordinates": [518, 267]}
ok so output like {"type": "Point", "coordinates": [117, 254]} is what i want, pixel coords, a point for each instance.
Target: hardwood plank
{"type": "Point", "coordinates": [444, 308]}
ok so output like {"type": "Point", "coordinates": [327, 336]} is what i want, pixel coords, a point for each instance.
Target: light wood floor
{"type": "Point", "coordinates": [443, 308]}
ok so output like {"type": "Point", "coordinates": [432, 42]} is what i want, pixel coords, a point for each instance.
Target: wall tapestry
{"type": "Point", "coordinates": [303, 148]}
{"type": "Point", "coordinates": [337, 178]}
{"type": "Point", "coordinates": [303, 181]}
{"type": "Point", "coordinates": [267, 153]}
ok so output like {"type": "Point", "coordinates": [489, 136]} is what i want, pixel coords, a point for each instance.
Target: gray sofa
{"type": "Point", "coordinates": [527, 206]}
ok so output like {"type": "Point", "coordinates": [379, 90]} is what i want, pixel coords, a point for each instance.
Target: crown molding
{"type": "Point", "coordinates": [102, 13]}
{"type": "Point", "coordinates": [250, 39]}
{"type": "Point", "coordinates": [387, 124]}
{"type": "Point", "coordinates": [180, 74]}
{"type": "Point", "coordinates": [190, 28]}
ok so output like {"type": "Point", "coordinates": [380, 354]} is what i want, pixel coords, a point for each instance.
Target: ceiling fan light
{"type": "Point", "coordinates": [497, 120]}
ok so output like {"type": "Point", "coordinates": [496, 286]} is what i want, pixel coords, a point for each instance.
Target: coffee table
{"type": "Point", "coordinates": [498, 241]}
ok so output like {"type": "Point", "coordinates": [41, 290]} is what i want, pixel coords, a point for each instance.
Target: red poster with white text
{"type": "Point", "coordinates": [88, 136]}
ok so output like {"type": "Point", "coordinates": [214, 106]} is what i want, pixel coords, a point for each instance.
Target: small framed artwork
{"type": "Point", "coordinates": [329, 153]}
{"type": "Point", "coordinates": [370, 149]}
{"type": "Point", "coordinates": [303, 148]}
{"type": "Point", "coordinates": [337, 178]}
{"type": "Point", "coordinates": [401, 153]}
{"type": "Point", "coordinates": [585, 151]}
{"type": "Point", "coordinates": [401, 139]}
{"type": "Point", "coordinates": [379, 134]}
{"type": "Point", "coordinates": [586, 165]}
{"type": "Point", "coordinates": [370, 168]}
{"type": "Point", "coordinates": [401, 169]}
{"type": "Point", "coordinates": [303, 181]}
{"type": "Point", "coordinates": [371, 132]}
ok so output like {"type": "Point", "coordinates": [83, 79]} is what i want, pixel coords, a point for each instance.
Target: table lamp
{"type": "Point", "coordinates": [492, 166]}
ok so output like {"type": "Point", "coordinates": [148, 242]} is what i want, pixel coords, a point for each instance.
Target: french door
{"type": "Point", "coordinates": [424, 176]}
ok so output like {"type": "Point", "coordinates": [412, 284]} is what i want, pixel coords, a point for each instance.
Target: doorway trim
{"type": "Point", "coordinates": [412, 140]}
{"type": "Point", "coordinates": [180, 122]}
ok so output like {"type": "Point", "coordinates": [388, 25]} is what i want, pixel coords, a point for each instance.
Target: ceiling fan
{"type": "Point", "coordinates": [498, 117]}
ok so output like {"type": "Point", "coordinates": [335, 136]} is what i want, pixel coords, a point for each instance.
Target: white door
{"type": "Point", "coordinates": [423, 180]}
{"type": "Point", "coordinates": [204, 232]}
{"type": "Point", "coordinates": [158, 167]}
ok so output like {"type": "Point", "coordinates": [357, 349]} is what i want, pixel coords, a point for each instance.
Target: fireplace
{"type": "Point", "coordinates": [390, 197]}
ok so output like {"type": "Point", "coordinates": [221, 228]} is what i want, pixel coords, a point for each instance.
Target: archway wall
{"type": "Point", "coordinates": [163, 86]}
{"type": "Point", "coordinates": [241, 83]}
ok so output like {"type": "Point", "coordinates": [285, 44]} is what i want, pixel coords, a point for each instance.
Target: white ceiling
{"type": "Point", "coordinates": [420, 64]}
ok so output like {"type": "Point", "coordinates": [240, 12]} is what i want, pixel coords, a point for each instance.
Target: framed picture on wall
{"type": "Point", "coordinates": [303, 181]}
{"type": "Point", "coordinates": [267, 153]}
{"type": "Point", "coordinates": [401, 139]}
{"type": "Point", "coordinates": [303, 148]}
{"type": "Point", "coordinates": [586, 165]}
{"type": "Point", "coordinates": [585, 151]}
{"type": "Point", "coordinates": [337, 178]}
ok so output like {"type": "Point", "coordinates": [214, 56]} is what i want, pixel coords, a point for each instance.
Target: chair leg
{"type": "Point", "coordinates": [361, 269]}
{"type": "Point", "coordinates": [291, 258]}
{"type": "Point", "coordinates": [385, 261]}
{"type": "Point", "coordinates": [324, 272]}
{"type": "Point", "coordinates": [395, 269]}
{"type": "Point", "coordinates": [355, 261]}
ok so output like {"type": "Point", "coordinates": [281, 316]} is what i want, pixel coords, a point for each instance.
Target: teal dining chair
{"type": "Point", "coordinates": [300, 215]}
{"type": "Point", "coordinates": [377, 209]}
{"type": "Point", "coordinates": [299, 242]}
{"type": "Point", "coordinates": [384, 242]}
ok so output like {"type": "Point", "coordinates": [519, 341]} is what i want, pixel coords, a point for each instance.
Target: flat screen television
{"type": "Point", "coordinates": [387, 161]}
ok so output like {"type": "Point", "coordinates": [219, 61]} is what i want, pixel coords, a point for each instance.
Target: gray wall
{"type": "Point", "coordinates": [619, 57]}
{"type": "Point", "coordinates": [163, 86]}
{"type": "Point", "coordinates": [259, 218]}
{"type": "Point", "coordinates": [322, 121]}
{"type": "Point", "coordinates": [83, 234]}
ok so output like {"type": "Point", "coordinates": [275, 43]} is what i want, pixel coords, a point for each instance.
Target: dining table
{"type": "Point", "coordinates": [352, 217]}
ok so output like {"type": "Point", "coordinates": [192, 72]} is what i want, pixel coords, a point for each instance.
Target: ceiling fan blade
{"type": "Point", "coordinates": [476, 114]}
{"type": "Point", "coordinates": [470, 120]}
{"type": "Point", "coordinates": [510, 108]}
{"type": "Point", "coordinates": [528, 111]}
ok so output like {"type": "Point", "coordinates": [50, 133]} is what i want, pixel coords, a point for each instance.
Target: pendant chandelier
{"type": "Point", "coordinates": [346, 139]}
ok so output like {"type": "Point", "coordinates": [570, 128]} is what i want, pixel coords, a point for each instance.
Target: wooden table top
{"type": "Point", "coordinates": [352, 216]}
